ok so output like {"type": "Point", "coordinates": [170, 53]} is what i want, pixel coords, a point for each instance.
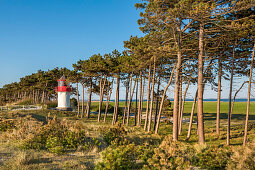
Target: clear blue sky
{"type": "Point", "coordinates": [43, 34]}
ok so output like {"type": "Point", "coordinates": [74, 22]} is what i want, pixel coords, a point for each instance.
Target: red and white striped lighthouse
{"type": "Point", "coordinates": [63, 91]}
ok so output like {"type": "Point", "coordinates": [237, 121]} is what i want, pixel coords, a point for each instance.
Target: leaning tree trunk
{"type": "Point", "coordinates": [230, 96]}
{"type": "Point", "coordinates": [152, 95]}
{"type": "Point", "coordinates": [234, 98]}
{"type": "Point", "coordinates": [218, 97]}
{"type": "Point", "coordinates": [162, 100]}
{"type": "Point", "coordinates": [200, 116]}
{"type": "Point", "coordinates": [148, 99]}
{"type": "Point", "coordinates": [248, 100]}
{"type": "Point", "coordinates": [89, 99]}
{"type": "Point", "coordinates": [191, 116]}
{"type": "Point", "coordinates": [126, 99]}
{"type": "Point", "coordinates": [109, 93]}
{"type": "Point", "coordinates": [101, 99]}
{"type": "Point", "coordinates": [78, 101]}
{"type": "Point", "coordinates": [182, 109]}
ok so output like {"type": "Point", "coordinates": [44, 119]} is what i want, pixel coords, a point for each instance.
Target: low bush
{"type": "Point", "coordinates": [212, 157]}
{"type": "Point", "coordinates": [179, 155]}
{"type": "Point", "coordinates": [121, 157]}
{"type": "Point", "coordinates": [57, 138]}
{"type": "Point", "coordinates": [6, 124]}
{"type": "Point", "coordinates": [243, 157]}
{"type": "Point", "coordinates": [51, 104]}
{"type": "Point", "coordinates": [171, 155]}
{"type": "Point", "coordinates": [116, 133]}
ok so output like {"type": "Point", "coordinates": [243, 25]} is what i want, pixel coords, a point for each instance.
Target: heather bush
{"type": "Point", "coordinates": [171, 155]}
{"type": "Point", "coordinates": [6, 124]}
{"type": "Point", "coordinates": [57, 137]}
{"type": "Point", "coordinates": [211, 157]}
{"type": "Point", "coordinates": [121, 157]}
{"type": "Point", "coordinates": [116, 133]}
{"type": "Point", "coordinates": [243, 157]}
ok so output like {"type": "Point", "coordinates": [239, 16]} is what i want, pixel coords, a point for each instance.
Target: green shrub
{"type": "Point", "coordinates": [121, 157]}
{"type": "Point", "coordinates": [56, 137]}
{"type": "Point", "coordinates": [51, 104]}
{"type": "Point", "coordinates": [74, 102]}
{"type": "Point", "coordinates": [115, 133]}
{"type": "Point", "coordinates": [54, 145]}
{"type": "Point", "coordinates": [110, 109]}
{"type": "Point", "coordinates": [171, 155]}
{"type": "Point", "coordinates": [212, 157]}
{"type": "Point", "coordinates": [243, 157]}
{"type": "Point", "coordinates": [6, 125]}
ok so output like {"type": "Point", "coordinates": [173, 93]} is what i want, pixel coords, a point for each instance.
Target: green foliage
{"type": "Point", "coordinates": [6, 125]}
{"type": "Point", "coordinates": [212, 157]}
{"type": "Point", "coordinates": [74, 102]}
{"type": "Point", "coordinates": [171, 155]}
{"type": "Point", "coordinates": [243, 157]}
{"type": "Point", "coordinates": [121, 157]}
{"type": "Point", "coordinates": [52, 104]}
{"type": "Point", "coordinates": [115, 133]}
{"type": "Point", "coordinates": [179, 155]}
{"type": "Point", "coordinates": [56, 137]}
{"type": "Point", "coordinates": [54, 145]}
{"type": "Point", "coordinates": [95, 108]}
{"type": "Point", "coordinates": [125, 155]}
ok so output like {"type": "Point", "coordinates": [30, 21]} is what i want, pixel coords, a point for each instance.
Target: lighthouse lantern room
{"type": "Point", "coordinates": [63, 91]}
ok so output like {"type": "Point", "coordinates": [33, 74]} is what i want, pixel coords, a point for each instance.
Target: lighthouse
{"type": "Point", "coordinates": [63, 91]}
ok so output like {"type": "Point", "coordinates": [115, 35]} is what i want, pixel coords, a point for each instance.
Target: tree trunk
{"type": "Point", "coordinates": [117, 100]}
{"type": "Point", "coordinates": [109, 93]}
{"type": "Point", "coordinates": [89, 99]}
{"type": "Point", "coordinates": [191, 116]}
{"type": "Point", "coordinates": [152, 95]}
{"type": "Point", "coordinates": [126, 100]}
{"type": "Point", "coordinates": [248, 100]}
{"type": "Point", "coordinates": [157, 103]}
{"type": "Point", "coordinates": [148, 99]}
{"type": "Point", "coordinates": [180, 102]}
{"type": "Point", "coordinates": [163, 99]}
{"type": "Point", "coordinates": [176, 91]}
{"type": "Point", "coordinates": [218, 97]}
{"type": "Point", "coordinates": [136, 94]}
{"type": "Point", "coordinates": [78, 101]}
{"type": "Point", "coordinates": [82, 104]}
{"type": "Point", "coordinates": [201, 138]}
{"type": "Point", "coordinates": [101, 99]}
{"type": "Point", "coordinates": [230, 97]}
{"type": "Point", "coordinates": [99, 107]}
{"type": "Point", "coordinates": [182, 109]}
{"type": "Point", "coordinates": [140, 100]}
{"type": "Point", "coordinates": [130, 98]}
{"type": "Point", "coordinates": [234, 98]}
